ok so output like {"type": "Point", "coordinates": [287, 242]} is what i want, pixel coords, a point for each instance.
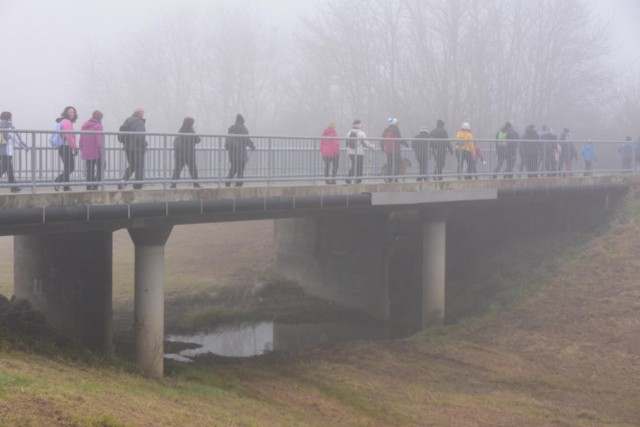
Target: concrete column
{"type": "Point", "coordinates": [149, 297]}
{"type": "Point", "coordinates": [433, 271]}
{"type": "Point", "coordinates": [68, 277]}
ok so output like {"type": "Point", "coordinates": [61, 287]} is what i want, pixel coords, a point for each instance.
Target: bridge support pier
{"type": "Point", "coordinates": [434, 238]}
{"type": "Point", "coordinates": [340, 258]}
{"type": "Point", "coordinates": [149, 297]}
{"type": "Point", "coordinates": [67, 277]}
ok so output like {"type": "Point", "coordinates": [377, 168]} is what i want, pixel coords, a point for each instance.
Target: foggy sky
{"type": "Point", "coordinates": [43, 41]}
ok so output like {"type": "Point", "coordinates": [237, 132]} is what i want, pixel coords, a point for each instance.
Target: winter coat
{"type": "Point", "coordinates": [91, 145]}
{"type": "Point", "coordinates": [420, 145]}
{"type": "Point", "coordinates": [440, 141]}
{"type": "Point", "coordinates": [391, 142]}
{"type": "Point", "coordinates": [361, 143]}
{"type": "Point", "coordinates": [329, 147]}
{"type": "Point", "coordinates": [184, 142]}
{"type": "Point", "coordinates": [9, 140]}
{"type": "Point", "coordinates": [135, 142]}
{"type": "Point", "coordinates": [69, 138]}
{"type": "Point", "coordinates": [466, 141]}
{"type": "Point", "coordinates": [530, 148]}
{"type": "Point", "coordinates": [237, 145]}
{"type": "Point", "coordinates": [588, 152]}
{"type": "Point", "coordinates": [568, 151]}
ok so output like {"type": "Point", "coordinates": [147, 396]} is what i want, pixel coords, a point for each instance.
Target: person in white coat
{"type": "Point", "coordinates": [356, 144]}
{"type": "Point", "coordinates": [8, 142]}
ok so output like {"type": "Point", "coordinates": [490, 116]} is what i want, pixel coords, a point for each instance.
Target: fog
{"type": "Point", "coordinates": [291, 66]}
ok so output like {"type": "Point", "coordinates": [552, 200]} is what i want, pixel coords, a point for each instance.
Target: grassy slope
{"type": "Point", "coordinates": [565, 356]}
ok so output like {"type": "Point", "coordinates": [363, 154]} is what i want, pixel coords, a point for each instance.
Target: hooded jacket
{"type": "Point", "coordinates": [91, 145]}
{"type": "Point", "coordinates": [135, 123]}
{"type": "Point", "coordinates": [329, 147]}
{"type": "Point", "coordinates": [391, 141]}
{"type": "Point", "coordinates": [420, 145]}
{"type": "Point", "coordinates": [237, 145]}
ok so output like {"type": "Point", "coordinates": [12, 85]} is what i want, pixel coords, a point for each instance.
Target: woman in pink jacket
{"type": "Point", "coordinates": [91, 146]}
{"type": "Point", "coordinates": [330, 150]}
{"type": "Point", "coordinates": [68, 149]}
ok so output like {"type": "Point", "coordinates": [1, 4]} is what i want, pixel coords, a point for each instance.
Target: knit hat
{"type": "Point", "coordinates": [466, 126]}
{"type": "Point", "coordinates": [439, 123]}
{"type": "Point", "coordinates": [357, 124]}
{"type": "Point", "coordinates": [239, 119]}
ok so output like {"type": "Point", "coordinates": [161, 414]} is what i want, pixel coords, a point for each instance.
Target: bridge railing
{"type": "Point", "coordinates": [282, 160]}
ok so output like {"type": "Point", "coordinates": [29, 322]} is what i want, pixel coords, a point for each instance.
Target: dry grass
{"type": "Point", "coordinates": [566, 355]}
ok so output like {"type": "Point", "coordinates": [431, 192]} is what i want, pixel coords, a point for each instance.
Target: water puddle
{"type": "Point", "coordinates": [256, 339]}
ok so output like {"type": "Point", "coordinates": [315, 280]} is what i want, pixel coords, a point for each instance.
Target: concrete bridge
{"type": "Point", "coordinates": [331, 239]}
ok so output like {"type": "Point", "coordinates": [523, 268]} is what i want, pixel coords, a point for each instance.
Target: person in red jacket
{"type": "Point", "coordinates": [330, 151]}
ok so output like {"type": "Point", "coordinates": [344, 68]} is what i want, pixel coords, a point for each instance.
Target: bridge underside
{"type": "Point", "coordinates": [340, 245]}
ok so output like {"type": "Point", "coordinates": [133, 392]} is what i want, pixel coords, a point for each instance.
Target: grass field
{"type": "Point", "coordinates": [559, 347]}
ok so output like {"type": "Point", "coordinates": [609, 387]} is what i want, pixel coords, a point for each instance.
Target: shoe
{"type": "Point", "coordinates": [137, 186]}
{"type": "Point", "coordinates": [238, 184]}
{"type": "Point", "coordinates": [16, 189]}
{"type": "Point", "coordinates": [121, 186]}
{"type": "Point", "coordinates": [173, 186]}
{"type": "Point", "coordinates": [196, 185]}
{"type": "Point", "coordinates": [66, 188]}
{"type": "Point", "coordinates": [56, 187]}
{"type": "Point", "coordinates": [227, 184]}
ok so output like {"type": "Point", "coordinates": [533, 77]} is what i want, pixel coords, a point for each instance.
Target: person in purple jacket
{"type": "Point", "coordinates": [68, 149]}
{"type": "Point", "coordinates": [91, 147]}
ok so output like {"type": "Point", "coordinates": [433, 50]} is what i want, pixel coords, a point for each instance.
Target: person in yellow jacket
{"type": "Point", "coordinates": [467, 150]}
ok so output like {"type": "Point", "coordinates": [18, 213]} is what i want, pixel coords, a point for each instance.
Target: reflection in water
{"type": "Point", "coordinates": [253, 340]}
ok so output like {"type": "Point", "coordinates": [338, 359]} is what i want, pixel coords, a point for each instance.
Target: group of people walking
{"type": "Point", "coordinates": [91, 148]}
{"type": "Point", "coordinates": [538, 151]}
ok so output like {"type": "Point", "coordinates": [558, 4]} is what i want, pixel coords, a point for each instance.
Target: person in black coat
{"type": "Point", "coordinates": [420, 146]}
{"type": "Point", "coordinates": [185, 152]}
{"type": "Point", "coordinates": [236, 147]}
{"type": "Point", "coordinates": [135, 147]}
{"type": "Point", "coordinates": [530, 150]}
{"type": "Point", "coordinates": [440, 144]}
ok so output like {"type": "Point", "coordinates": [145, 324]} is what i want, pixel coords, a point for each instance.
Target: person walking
{"type": "Point", "coordinates": [440, 145]}
{"type": "Point", "coordinates": [135, 147]}
{"type": "Point", "coordinates": [91, 149]}
{"type": "Point", "coordinates": [68, 148]}
{"type": "Point", "coordinates": [392, 145]}
{"type": "Point", "coordinates": [236, 147]}
{"type": "Point", "coordinates": [420, 145]}
{"type": "Point", "coordinates": [589, 156]}
{"type": "Point", "coordinates": [627, 149]}
{"type": "Point", "coordinates": [551, 150]}
{"type": "Point", "coordinates": [8, 142]}
{"type": "Point", "coordinates": [568, 152]}
{"type": "Point", "coordinates": [530, 150]}
{"type": "Point", "coordinates": [184, 154]}
{"type": "Point", "coordinates": [356, 151]}
{"type": "Point", "coordinates": [506, 147]}
{"type": "Point", "coordinates": [464, 138]}
{"type": "Point", "coordinates": [330, 152]}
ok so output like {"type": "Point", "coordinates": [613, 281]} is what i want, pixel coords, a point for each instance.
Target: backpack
{"type": "Point", "coordinates": [352, 143]}
{"type": "Point", "coordinates": [502, 139]}
{"type": "Point", "coordinates": [56, 139]}
{"type": "Point", "coordinates": [123, 128]}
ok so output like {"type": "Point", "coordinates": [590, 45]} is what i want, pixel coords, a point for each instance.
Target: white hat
{"type": "Point", "coordinates": [392, 121]}
{"type": "Point", "coordinates": [466, 126]}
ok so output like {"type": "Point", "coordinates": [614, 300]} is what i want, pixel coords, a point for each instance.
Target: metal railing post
{"type": "Point", "coordinates": [269, 162]}
{"type": "Point", "coordinates": [33, 162]}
